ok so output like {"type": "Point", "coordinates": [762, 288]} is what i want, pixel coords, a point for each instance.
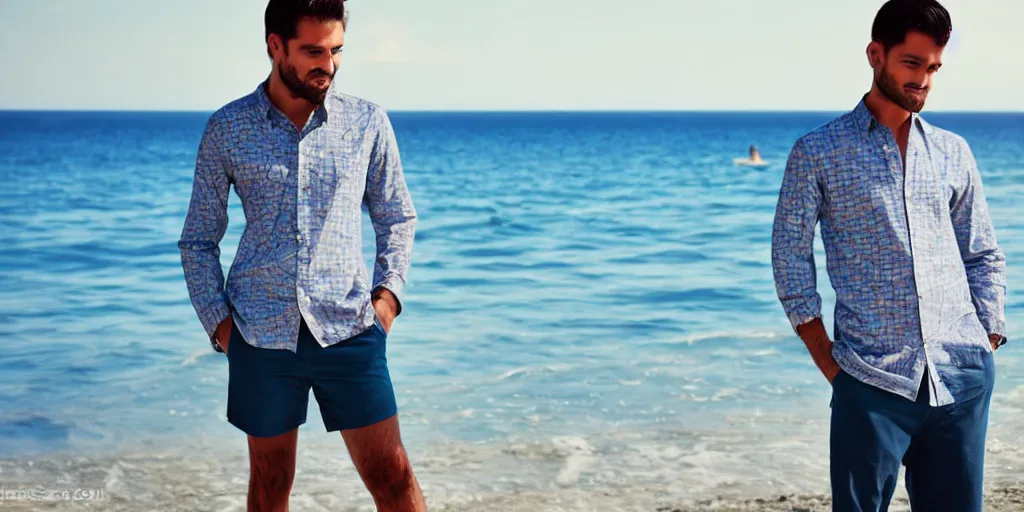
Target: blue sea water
{"type": "Point", "coordinates": [590, 309]}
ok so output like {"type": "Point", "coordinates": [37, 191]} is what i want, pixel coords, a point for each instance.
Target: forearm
{"type": "Point", "coordinates": [394, 253]}
{"type": "Point", "coordinates": [987, 279]}
{"type": "Point", "coordinates": [392, 213]}
{"type": "Point", "coordinates": [796, 275]}
{"type": "Point", "coordinates": [205, 281]}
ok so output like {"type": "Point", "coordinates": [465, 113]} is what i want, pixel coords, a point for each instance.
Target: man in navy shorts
{"type": "Point", "coordinates": [299, 310]}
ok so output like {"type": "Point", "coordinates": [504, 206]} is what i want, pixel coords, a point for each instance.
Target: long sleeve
{"type": "Point", "coordinates": [796, 216]}
{"type": "Point", "coordinates": [391, 211]}
{"type": "Point", "coordinates": [983, 260]}
{"type": "Point", "coordinates": [205, 225]}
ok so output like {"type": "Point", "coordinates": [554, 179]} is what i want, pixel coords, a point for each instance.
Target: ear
{"type": "Point", "coordinates": [275, 46]}
{"type": "Point", "coordinates": [876, 55]}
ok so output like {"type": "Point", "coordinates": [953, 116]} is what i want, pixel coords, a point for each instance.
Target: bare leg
{"type": "Point", "coordinates": [271, 471]}
{"type": "Point", "coordinates": [380, 458]}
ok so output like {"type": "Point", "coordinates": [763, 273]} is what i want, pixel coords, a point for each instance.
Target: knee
{"type": "Point", "coordinates": [270, 482]}
{"type": "Point", "coordinates": [389, 475]}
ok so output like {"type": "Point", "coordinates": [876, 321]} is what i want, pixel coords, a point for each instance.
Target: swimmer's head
{"type": "Point", "coordinates": [907, 41]}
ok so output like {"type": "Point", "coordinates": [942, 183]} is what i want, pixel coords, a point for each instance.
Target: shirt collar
{"type": "Point", "coordinates": [867, 122]}
{"type": "Point", "coordinates": [267, 108]}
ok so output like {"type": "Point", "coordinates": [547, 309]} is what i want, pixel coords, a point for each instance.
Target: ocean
{"type": "Point", "coordinates": [590, 320]}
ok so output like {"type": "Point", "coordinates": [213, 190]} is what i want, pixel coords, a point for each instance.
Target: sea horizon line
{"type": "Point", "coordinates": [505, 111]}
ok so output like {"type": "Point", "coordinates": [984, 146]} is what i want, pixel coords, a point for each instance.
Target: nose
{"type": "Point", "coordinates": [327, 64]}
{"type": "Point", "coordinates": [924, 80]}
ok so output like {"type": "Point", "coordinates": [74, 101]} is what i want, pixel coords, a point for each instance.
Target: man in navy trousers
{"type": "Point", "coordinates": [918, 275]}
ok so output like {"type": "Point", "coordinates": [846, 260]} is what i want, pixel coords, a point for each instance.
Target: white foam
{"type": "Point", "coordinates": [719, 335]}
{"type": "Point", "coordinates": [532, 370]}
{"type": "Point", "coordinates": [193, 358]}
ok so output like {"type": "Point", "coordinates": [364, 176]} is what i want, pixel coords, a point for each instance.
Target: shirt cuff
{"type": "Point", "coordinates": [211, 318]}
{"type": "Point", "coordinates": [396, 286]}
{"type": "Point", "coordinates": [993, 325]}
{"type": "Point", "coordinates": [797, 319]}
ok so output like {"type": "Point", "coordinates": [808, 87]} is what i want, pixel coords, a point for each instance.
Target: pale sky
{"type": "Point", "coordinates": [500, 55]}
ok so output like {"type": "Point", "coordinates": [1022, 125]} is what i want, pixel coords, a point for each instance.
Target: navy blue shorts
{"type": "Point", "coordinates": [268, 389]}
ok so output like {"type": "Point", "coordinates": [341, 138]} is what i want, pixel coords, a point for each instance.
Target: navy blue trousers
{"type": "Point", "coordinates": [943, 448]}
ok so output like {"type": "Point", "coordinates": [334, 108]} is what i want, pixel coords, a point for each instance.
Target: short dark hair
{"type": "Point", "coordinates": [282, 16]}
{"type": "Point", "coordinates": [897, 17]}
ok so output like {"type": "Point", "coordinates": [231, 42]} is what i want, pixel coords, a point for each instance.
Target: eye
{"type": "Point", "coordinates": [335, 51]}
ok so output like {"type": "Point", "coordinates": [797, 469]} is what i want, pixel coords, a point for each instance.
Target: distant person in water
{"type": "Point", "coordinates": [755, 156]}
{"type": "Point", "coordinates": [754, 160]}
{"type": "Point", "coordinates": [920, 281]}
{"type": "Point", "coordinates": [299, 310]}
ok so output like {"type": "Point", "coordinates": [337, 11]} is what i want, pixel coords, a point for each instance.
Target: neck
{"type": "Point", "coordinates": [280, 96]}
{"type": "Point", "coordinates": [885, 111]}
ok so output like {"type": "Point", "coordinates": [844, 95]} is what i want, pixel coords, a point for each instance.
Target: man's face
{"type": "Point", "coordinates": [308, 62]}
{"type": "Point", "coordinates": [904, 73]}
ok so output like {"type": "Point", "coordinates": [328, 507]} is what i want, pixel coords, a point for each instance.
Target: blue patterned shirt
{"type": "Point", "coordinates": [300, 256]}
{"type": "Point", "coordinates": [912, 255]}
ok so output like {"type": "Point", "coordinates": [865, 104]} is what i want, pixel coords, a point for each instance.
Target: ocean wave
{"type": "Point", "coordinates": [729, 335]}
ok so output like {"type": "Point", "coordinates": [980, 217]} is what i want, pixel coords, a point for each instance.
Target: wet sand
{"type": "Point", "coordinates": [172, 484]}
{"type": "Point", "coordinates": [997, 499]}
